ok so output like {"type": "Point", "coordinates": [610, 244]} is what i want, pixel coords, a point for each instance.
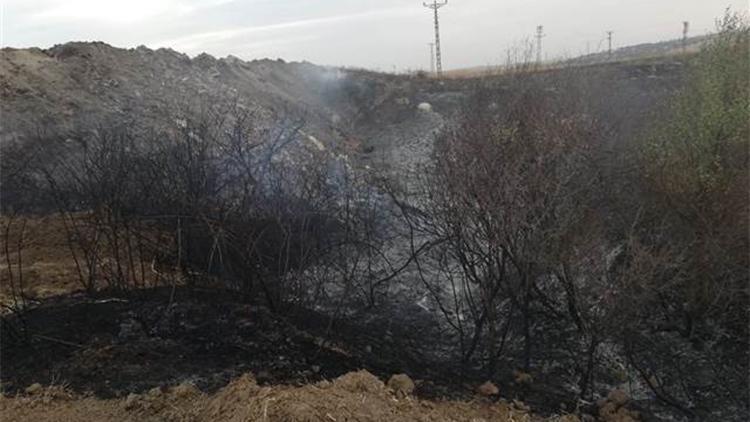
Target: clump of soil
{"type": "Point", "coordinates": [356, 396]}
{"type": "Point", "coordinates": [613, 408]}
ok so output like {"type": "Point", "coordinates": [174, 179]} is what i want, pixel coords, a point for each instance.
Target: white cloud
{"type": "Point", "coordinates": [383, 34]}
{"type": "Point", "coordinates": [119, 12]}
{"type": "Point", "coordinates": [116, 11]}
{"type": "Point", "coordinates": [197, 41]}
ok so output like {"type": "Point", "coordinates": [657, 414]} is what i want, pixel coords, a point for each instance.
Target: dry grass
{"type": "Point", "coordinates": [46, 262]}
{"type": "Point", "coordinates": [36, 260]}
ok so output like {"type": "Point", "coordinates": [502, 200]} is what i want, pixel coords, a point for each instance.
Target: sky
{"type": "Point", "coordinates": [384, 35]}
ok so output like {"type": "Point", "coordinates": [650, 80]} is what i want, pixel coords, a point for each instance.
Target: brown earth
{"type": "Point", "coordinates": [356, 396]}
{"type": "Point", "coordinates": [48, 267]}
{"type": "Point", "coordinates": [40, 247]}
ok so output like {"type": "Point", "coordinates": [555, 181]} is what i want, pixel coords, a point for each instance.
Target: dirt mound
{"type": "Point", "coordinates": [73, 85]}
{"type": "Point", "coordinates": [357, 396]}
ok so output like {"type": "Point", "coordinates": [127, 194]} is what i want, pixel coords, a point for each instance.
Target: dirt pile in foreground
{"type": "Point", "coordinates": [357, 396]}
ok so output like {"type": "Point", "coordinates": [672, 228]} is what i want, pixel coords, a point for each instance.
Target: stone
{"type": "Point", "coordinates": [488, 389]}
{"type": "Point", "coordinates": [401, 384]}
{"type": "Point", "coordinates": [33, 389]}
{"type": "Point", "coordinates": [131, 401]}
{"type": "Point", "coordinates": [613, 408]}
{"type": "Point", "coordinates": [424, 107]}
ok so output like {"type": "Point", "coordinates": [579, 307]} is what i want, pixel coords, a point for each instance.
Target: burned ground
{"type": "Point", "coordinates": [308, 262]}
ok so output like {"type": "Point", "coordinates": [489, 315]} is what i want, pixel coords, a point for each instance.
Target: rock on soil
{"type": "Point", "coordinates": [425, 107]}
{"type": "Point", "coordinates": [488, 389]}
{"type": "Point", "coordinates": [613, 409]}
{"type": "Point", "coordinates": [401, 384]}
{"type": "Point", "coordinates": [33, 389]}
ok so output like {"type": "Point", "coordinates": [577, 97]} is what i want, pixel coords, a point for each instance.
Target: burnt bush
{"type": "Point", "coordinates": [685, 325]}
{"type": "Point", "coordinates": [507, 211]}
{"type": "Point", "coordinates": [217, 193]}
{"type": "Point", "coordinates": [589, 265]}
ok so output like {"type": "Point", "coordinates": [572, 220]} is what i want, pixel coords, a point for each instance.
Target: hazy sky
{"type": "Point", "coordinates": [384, 34]}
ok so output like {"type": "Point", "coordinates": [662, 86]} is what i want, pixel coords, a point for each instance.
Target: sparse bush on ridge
{"type": "Point", "coordinates": [695, 206]}
{"type": "Point", "coordinates": [526, 265]}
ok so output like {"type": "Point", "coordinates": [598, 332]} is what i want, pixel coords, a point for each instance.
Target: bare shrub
{"type": "Point", "coordinates": [685, 299]}
{"type": "Point", "coordinates": [216, 193]}
{"type": "Point", "coordinates": [507, 207]}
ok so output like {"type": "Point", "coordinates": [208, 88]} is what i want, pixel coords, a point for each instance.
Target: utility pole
{"type": "Point", "coordinates": [432, 57]}
{"type": "Point", "coordinates": [609, 40]}
{"type": "Point", "coordinates": [685, 31]}
{"type": "Point", "coordinates": [539, 36]}
{"type": "Point", "coordinates": [435, 5]}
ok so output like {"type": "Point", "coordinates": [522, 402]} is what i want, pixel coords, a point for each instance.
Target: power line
{"type": "Point", "coordinates": [539, 36]}
{"type": "Point", "coordinates": [435, 5]}
{"type": "Point", "coordinates": [432, 57]}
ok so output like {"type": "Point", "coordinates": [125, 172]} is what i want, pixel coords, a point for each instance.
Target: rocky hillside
{"type": "Point", "coordinates": [84, 82]}
{"type": "Point", "coordinates": [646, 51]}
{"type": "Point", "coordinates": [375, 117]}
